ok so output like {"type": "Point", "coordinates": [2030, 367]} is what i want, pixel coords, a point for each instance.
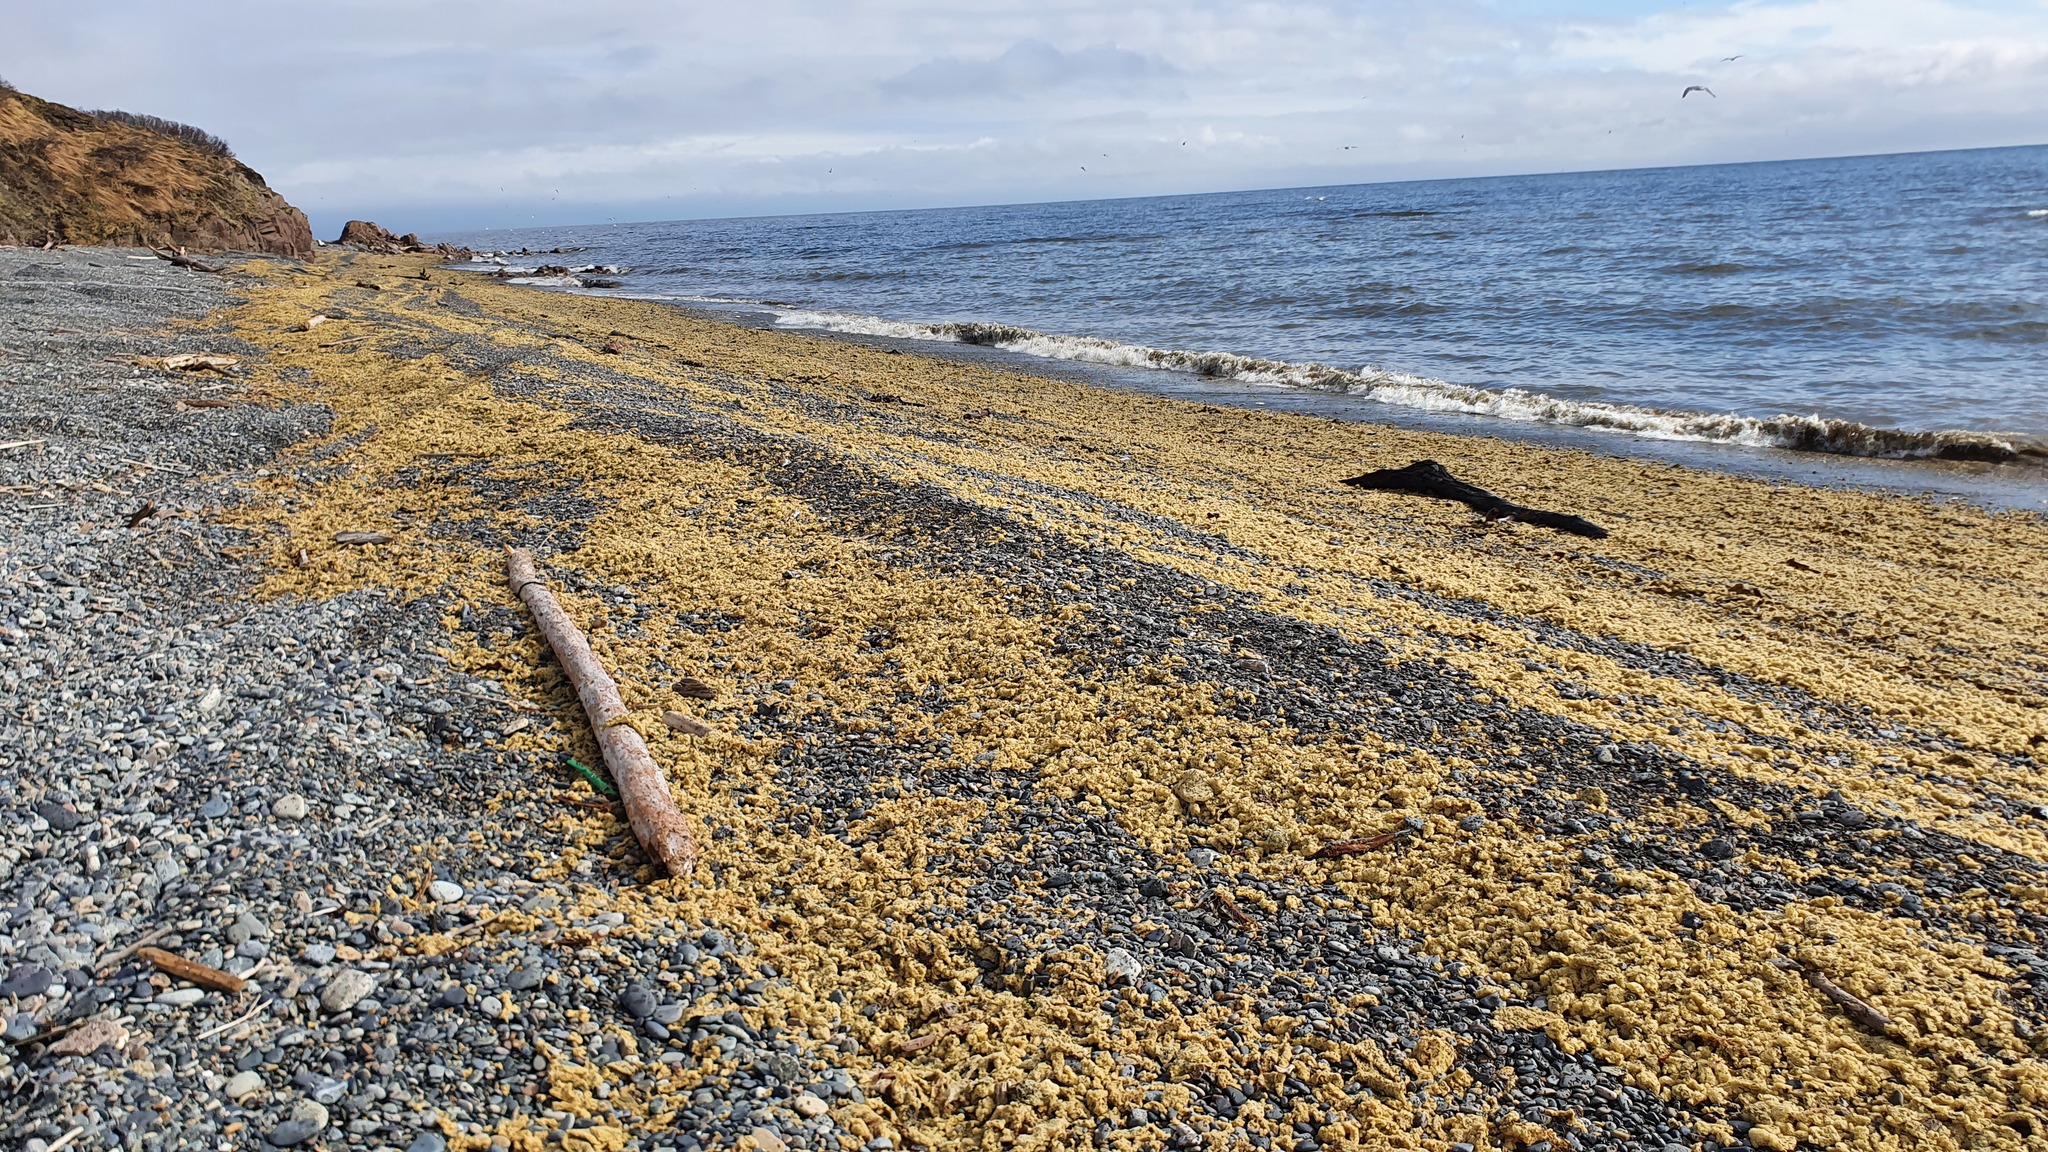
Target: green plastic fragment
{"type": "Point", "coordinates": [588, 773]}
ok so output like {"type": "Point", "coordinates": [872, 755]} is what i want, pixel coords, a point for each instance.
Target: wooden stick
{"type": "Point", "coordinates": [1853, 1006]}
{"type": "Point", "coordinates": [106, 963]}
{"type": "Point", "coordinates": [244, 1018]}
{"type": "Point", "coordinates": [206, 976]}
{"type": "Point", "coordinates": [179, 259]}
{"type": "Point", "coordinates": [642, 786]}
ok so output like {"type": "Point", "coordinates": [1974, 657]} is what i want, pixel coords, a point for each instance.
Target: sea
{"type": "Point", "coordinates": [1886, 307]}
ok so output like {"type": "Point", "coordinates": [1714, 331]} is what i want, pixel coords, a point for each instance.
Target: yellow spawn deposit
{"type": "Point", "coordinates": [1093, 770]}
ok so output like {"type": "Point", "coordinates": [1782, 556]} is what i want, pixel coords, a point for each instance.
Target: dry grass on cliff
{"type": "Point", "coordinates": [89, 179]}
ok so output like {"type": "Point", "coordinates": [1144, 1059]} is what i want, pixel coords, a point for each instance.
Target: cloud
{"type": "Point", "coordinates": [1027, 68]}
{"type": "Point", "coordinates": [513, 111]}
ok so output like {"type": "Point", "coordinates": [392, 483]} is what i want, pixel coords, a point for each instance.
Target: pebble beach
{"type": "Point", "coordinates": [1070, 768]}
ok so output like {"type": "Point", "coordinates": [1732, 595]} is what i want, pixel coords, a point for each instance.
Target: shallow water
{"type": "Point", "coordinates": [1862, 306]}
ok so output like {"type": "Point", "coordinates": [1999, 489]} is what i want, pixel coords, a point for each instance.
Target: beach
{"type": "Point", "coordinates": [1087, 768]}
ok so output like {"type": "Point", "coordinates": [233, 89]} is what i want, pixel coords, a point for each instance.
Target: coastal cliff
{"type": "Point", "coordinates": [79, 178]}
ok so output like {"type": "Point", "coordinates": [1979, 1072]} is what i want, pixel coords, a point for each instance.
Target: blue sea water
{"type": "Point", "coordinates": [1877, 305]}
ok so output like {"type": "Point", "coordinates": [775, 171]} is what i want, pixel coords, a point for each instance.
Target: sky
{"type": "Point", "coordinates": [469, 114]}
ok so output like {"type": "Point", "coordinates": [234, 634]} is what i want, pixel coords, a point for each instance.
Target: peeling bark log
{"type": "Point", "coordinates": [643, 787]}
{"type": "Point", "coordinates": [1429, 478]}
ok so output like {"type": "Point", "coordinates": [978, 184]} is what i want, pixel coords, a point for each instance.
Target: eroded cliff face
{"type": "Point", "coordinates": [77, 179]}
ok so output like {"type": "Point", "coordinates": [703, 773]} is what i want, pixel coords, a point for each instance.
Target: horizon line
{"type": "Point", "coordinates": [1243, 191]}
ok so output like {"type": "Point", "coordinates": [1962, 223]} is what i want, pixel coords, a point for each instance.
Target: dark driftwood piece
{"type": "Point", "coordinates": [1429, 478]}
{"type": "Point", "coordinates": [643, 787]}
{"type": "Point", "coordinates": [180, 260]}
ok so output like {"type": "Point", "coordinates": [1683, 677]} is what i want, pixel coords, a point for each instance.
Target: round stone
{"type": "Point", "coordinates": [347, 987]}
{"type": "Point", "coordinates": [307, 1119]}
{"type": "Point", "coordinates": [637, 1001]}
{"type": "Point", "coordinates": [243, 1084]}
{"type": "Point", "coordinates": [445, 891]}
{"type": "Point", "coordinates": [290, 806]}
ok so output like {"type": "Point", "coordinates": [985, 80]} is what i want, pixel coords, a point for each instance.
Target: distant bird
{"type": "Point", "coordinates": [1350, 147]}
{"type": "Point", "coordinates": [1084, 167]}
{"type": "Point", "coordinates": [1697, 88]}
{"type": "Point", "coordinates": [1731, 59]}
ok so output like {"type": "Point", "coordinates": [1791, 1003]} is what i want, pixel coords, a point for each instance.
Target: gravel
{"type": "Point", "coordinates": [235, 780]}
{"type": "Point", "coordinates": [302, 791]}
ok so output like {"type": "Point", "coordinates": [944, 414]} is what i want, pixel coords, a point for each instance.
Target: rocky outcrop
{"type": "Point", "coordinates": [373, 237]}
{"type": "Point", "coordinates": [74, 178]}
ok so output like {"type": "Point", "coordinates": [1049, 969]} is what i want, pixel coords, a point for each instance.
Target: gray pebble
{"type": "Point", "coordinates": [27, 980]}
{"type": "Point", "coordinates": [347, 988]}
{"type": "Point", "coordinates": [307, 1119]}
{"type": "Point", "coordinates": [637, 1001]}
{"type": "Point", "coordinates": [329, 1091]}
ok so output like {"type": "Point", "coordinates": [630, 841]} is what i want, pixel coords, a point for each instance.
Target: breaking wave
{"type": "Point", "coordinates": [1797, 433]}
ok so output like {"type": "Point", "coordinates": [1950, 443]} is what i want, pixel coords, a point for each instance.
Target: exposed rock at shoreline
{"type": "Point", "coordinates": [71, 177]}
{"type": "Point", "coordinates": [370, 236]}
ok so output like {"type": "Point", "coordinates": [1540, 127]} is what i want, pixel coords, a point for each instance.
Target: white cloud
{"type": "Point", "coordinates": [516, 110]}
{"type": "Point", "coordinates": [1028, 68]}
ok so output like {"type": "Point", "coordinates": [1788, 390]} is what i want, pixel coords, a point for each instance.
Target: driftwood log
{"type": "Point", "coordinates": [1429, 478]}
{"type": "Point", "coordinates": [643, 787]}
{"type": "Point", "coordinates": [180, 260]}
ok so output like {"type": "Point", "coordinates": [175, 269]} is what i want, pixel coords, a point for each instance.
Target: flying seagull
{"type": "Point", "coordinates": [1697, 88]}
{"type": "Point", "coordinates": [1731, 59]}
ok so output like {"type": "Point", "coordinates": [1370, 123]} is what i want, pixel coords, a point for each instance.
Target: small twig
{"type": "Point", "coordinates": [108, 961]}
{"type": "Point", "coordinates": [474, 926]}
{"type": "Point", "coordinates": [1854, 1007]}
{"type": "Point", "coordinates": [66, 1138]}
{"type": "Point", "coordinates": [242, 1019]}
{"type": "Point", "coordinates": [51, 1033]}
{"type": "Point", "coordinates": [11, 445]}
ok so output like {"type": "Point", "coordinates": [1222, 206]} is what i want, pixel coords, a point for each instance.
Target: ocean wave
{"type": "Point", "coordinates": [1405, 390]}
{"type": "Point", "coordinates": [2037, 212]}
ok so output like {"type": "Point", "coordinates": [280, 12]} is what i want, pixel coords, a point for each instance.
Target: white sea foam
{"type": "Point", "coordinates": [2037, 212]}
{"type": "Point", "coordinates": [1804, 433]}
